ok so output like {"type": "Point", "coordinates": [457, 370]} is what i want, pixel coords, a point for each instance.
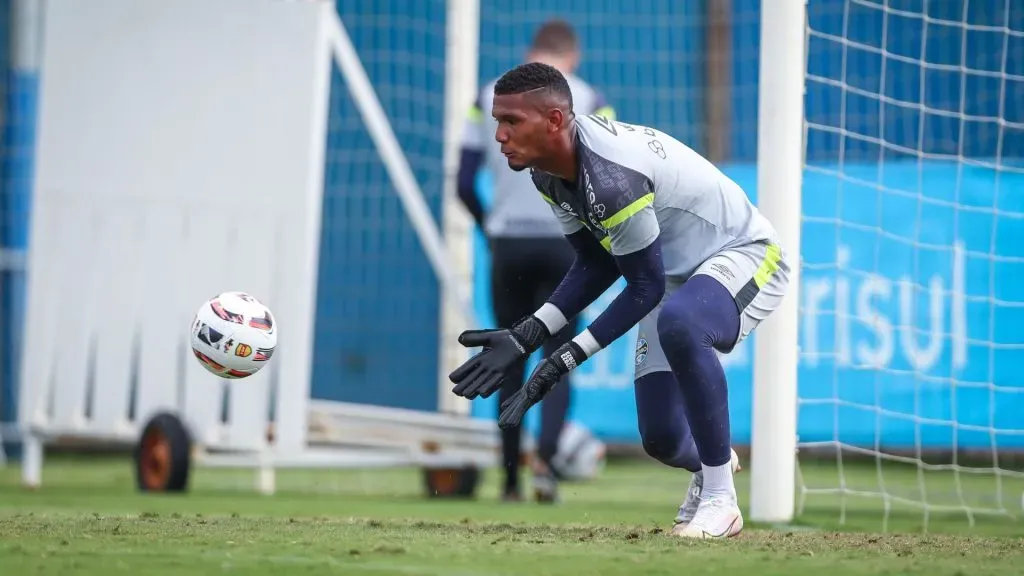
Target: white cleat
{"type": "Point", "coordinates": [689, 506]}
{"type": "Point", "coordinates": [715, 518]}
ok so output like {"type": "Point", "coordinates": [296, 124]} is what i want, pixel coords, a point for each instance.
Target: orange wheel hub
{"type": "Point", "coordinates": [156, 460]}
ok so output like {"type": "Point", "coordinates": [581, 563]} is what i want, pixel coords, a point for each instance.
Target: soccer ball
{"type": "Point", "coordinates": [580, 455]}
{"type": "Point", "coordinates": [233, 335]}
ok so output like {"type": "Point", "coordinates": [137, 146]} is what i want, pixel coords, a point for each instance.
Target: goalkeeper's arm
{"type": "Point", "coordinates": [645, 286]}
{"type": "Point", "coordinates": [593, 271]}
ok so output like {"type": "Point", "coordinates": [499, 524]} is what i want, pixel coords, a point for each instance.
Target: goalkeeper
{"type": "Point", "coordinates": [702, 266]}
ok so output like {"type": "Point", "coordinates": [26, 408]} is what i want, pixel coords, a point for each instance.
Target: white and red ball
{"type": "Point", "coordinates": [234, 335]}
{"type": "Point", "coordinates": [580, 455]}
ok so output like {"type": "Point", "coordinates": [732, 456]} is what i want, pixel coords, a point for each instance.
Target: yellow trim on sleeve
{"type": "Point", "coordinates": [547, 199]}
{"type": "Point", "coordinates": [606, 243]}
{"type": "Point", "coordinates": [769, 265]}
{"type": "Point", "coordinates": [606, 111]}
{"type": "Point", "coordinates": [624, 214]}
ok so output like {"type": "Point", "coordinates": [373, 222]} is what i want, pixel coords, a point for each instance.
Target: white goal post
{"type": "Point", "coordinates": [779, 181]}
{"type": "Point", "coordinates": [199, 168]}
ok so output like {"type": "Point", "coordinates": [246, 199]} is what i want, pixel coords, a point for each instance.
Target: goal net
{"type": "Point", "coordinates": [913, 223]}
{"type": "Point", "coordinates": [377, 338]}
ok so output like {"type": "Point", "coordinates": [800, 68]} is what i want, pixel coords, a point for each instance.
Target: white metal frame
{"type": "Point", "coordinates": [461, 71]}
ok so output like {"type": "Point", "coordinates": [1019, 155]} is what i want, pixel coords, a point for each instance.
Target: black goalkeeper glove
{"type": "Point", "coordinates": [484, 373]}
{"type": "Point", "coordinates": [547, 374]}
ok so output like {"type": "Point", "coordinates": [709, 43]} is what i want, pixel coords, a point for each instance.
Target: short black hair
{"type": "Point", "coordinates": [534, 76]}
{"type": "Point", "coordinates": [555, 37]}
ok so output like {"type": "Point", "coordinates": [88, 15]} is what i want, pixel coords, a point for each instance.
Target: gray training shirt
{"type": "Point", "coordinates": [638, 183]}
{"type": "Point", "coordinates": [516, 210]}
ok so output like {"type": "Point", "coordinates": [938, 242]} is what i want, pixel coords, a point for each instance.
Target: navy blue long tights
{"type": "Point", "coordinates": [683, 415]}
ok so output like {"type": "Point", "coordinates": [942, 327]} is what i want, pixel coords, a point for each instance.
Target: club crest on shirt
{"type": "Point", "coordinates": [641, 351]}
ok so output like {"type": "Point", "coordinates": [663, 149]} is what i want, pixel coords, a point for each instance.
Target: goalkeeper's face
{"type": "Point", "coordinates": [525, 130]}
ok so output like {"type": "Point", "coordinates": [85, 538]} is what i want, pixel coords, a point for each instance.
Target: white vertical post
{"type": "Point", "coordinates": [293, 378]}
{"type": "Point", "coordinates": [31, 460]}
{"type": "Point", "coordinates": [779, 181]}
{"type": "Point", "coordinates": [26, 57]}
{"type": "Point", "coordinates": [461, 61]}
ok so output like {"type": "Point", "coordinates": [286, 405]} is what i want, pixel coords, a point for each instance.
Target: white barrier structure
{"type": "Point", "coordinates": [171, 173]}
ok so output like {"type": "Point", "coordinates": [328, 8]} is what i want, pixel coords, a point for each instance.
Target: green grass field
{"type": "Point", "coordinates": [87, 519]}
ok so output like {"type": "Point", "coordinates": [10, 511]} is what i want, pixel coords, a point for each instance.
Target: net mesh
{"type": "Point", "coordinates": [911, 303]}
{"type": "Point", "coordinates": [377, 306]}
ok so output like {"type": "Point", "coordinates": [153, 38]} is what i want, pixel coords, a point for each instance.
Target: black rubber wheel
{"type": "Point", "coordinates": [163, 455]}
{"type": "Point", "coordinates": [451, 482]}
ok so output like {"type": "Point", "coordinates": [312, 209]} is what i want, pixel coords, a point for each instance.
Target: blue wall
{"type": "Point", "coordinates": [15, 202]}
{"type": "Point", "coordinates": [646, 57]}
{"type": "Point", "coordinates": [19, 97]}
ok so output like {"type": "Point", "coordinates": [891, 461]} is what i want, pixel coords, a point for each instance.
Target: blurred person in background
{"type": "Point", "coordinates": [529, 254]}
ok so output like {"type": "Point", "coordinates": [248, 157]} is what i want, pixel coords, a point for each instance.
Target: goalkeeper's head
{"type": "Point", "coordinates": [535, 122]}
